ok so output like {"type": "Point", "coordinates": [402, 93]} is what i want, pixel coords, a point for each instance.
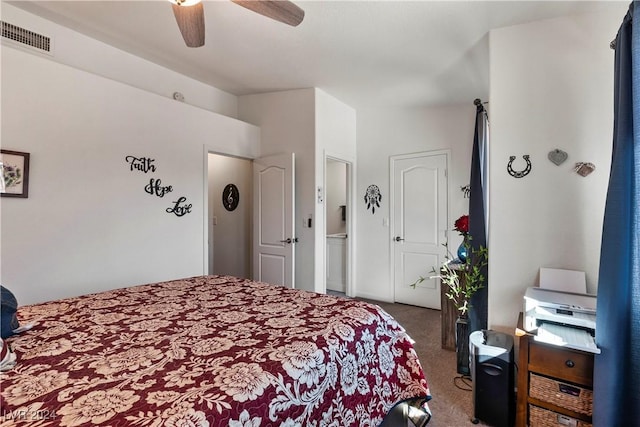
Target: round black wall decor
{"type": "Point", "coordinates": [230, 197]}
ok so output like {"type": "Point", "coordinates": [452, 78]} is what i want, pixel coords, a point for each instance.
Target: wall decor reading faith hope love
{"type": "Point", "coordinates": [155, 187]}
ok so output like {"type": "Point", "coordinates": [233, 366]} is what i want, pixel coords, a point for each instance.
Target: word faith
{"type": "Point", "coordinates": [142, 164]}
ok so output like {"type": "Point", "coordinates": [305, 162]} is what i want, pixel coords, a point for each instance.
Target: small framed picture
{"type": "Point", "coordinates": [14, 167]}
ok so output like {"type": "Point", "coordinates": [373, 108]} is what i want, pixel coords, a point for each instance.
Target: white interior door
{"type": "Point", "coordinates": [420, 201]}
{"type": "Point", "coordinates": [273, 219]}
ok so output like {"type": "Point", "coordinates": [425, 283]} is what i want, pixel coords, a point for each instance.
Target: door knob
{"type": "Point", "coordinates": [287, 241]}
{"type": "Point", "coordinates": [398, 239]}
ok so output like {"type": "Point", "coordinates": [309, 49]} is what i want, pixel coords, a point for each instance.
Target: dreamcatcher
{"type": "Point", "coordinates": [372, 198]}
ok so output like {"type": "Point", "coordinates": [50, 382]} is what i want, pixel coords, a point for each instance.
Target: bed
{"type": "Point", "coordinates": [210, 351]}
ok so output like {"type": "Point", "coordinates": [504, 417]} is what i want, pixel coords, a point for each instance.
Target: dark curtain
{"type": "Point", "coordinates": [617, 369]}
{"type": "Point", "coordinates": [477, 214]}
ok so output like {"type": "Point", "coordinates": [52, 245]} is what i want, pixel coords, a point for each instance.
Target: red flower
{"type": "Point", "coordinates": [462, 225]}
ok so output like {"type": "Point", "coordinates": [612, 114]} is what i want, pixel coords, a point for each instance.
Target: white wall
{"type": "Point", "coordinates": [88, 224]}
{"type": "Point", "coordinates": [335, 136]}
{"type": "Point", "coordinates": [386, 132]}
{"type": "Point", "coordinates": [336, 192]}
{"type": "Point", "coordinates": [85, 53]}
{"type": "Point", "coordinates": [551, 87]}
{"type": "Point", "coordinates": [287, 122]}
{"type": "Point", "coordinates": [310, 123]}
{"type": "Point", "coordinates": [230, 232]}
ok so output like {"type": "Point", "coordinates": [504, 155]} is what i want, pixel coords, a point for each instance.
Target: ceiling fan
{"type": "Point", "coordinates": [190, 15]}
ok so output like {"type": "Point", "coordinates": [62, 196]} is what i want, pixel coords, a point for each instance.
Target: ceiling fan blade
{"type": "Point", "coordinates": [280, 10]}
{"type": "Point", "coordinates": [190, 20]}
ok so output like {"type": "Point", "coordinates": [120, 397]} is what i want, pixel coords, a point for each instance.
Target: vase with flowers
{"type": "Point", "coordinates": [463, 277]}
{"type": "Point", "coordinates": [462, 226]}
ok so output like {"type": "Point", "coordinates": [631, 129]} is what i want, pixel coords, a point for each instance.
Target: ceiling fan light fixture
{"type": "Point", "coordinates": [185, 2]}
{"type": "Point", "coordinates": [189, 15]}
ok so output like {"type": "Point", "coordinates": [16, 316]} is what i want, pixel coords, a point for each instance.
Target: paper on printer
{"type": "Point", "coordinates": [561, 318]}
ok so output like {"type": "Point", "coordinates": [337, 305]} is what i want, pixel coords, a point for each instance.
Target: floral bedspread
{"type": "Point", "coordinates": [208, 351]}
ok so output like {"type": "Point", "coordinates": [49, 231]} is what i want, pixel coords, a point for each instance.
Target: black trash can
{"type": "Point", "coordinates": [492, 373]}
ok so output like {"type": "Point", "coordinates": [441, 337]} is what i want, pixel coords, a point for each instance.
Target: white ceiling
{"type": "Point", "coordinates": [365, 53]}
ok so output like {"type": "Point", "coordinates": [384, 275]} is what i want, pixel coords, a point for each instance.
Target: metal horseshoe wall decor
{"type": "Point", "coordinates": [519, 174]}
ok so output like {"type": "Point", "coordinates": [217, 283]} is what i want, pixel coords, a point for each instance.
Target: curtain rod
{"type": "Point", "coordinates": [629, 15]}
{"type": "Point", "coordinates": [479, 105]}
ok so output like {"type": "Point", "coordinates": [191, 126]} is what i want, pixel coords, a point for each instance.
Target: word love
{"type": "Point", "coordinates": [142, 164]}
{"type": "Point", "coordinates": [154, 187]}
{"type": "Point", "coordinates": [178, 208]}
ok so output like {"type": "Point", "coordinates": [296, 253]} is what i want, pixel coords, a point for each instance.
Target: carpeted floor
{"type": "Point", "coordinates": [451, 406]}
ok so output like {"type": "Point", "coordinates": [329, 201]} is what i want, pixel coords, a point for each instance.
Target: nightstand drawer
{"type": "Point", "coordinates": [561, 363]}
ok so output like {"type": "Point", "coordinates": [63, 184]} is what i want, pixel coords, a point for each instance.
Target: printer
{"type": "Point", "coordinates": [561, 318]}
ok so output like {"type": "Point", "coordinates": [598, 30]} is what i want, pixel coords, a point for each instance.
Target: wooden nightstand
{"type": "Point", "coordinates": [555, 384]}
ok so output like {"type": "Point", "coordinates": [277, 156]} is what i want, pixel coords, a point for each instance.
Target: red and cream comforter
{"type": "Point", "coordinates": [208, 351]}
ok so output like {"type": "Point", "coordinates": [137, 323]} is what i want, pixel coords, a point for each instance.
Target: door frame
{"type": "Point", "coordinates": [350, 226]}
{"type": "Point", "coordinates": [392, 197]}
{"type": "Point", "coordinates": [205, 203]}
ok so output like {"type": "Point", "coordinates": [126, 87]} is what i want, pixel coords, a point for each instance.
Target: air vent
{"type": "Point", "coordinates": [25, 37]}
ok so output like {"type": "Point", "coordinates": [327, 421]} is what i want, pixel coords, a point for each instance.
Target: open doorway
{"type": "Point", "coordinates": [338, 238]}
{"type": "Point", "coordinates": [230, 200]}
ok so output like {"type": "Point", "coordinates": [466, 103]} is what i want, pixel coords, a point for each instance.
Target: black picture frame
{"type": "Point", "coordinates": [14, 174]}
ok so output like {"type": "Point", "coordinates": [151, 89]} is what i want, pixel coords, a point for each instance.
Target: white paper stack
{"type": "Point", "coordinates": [563, 280]}
{"type": "Point", "coordinates": [564, 336]}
